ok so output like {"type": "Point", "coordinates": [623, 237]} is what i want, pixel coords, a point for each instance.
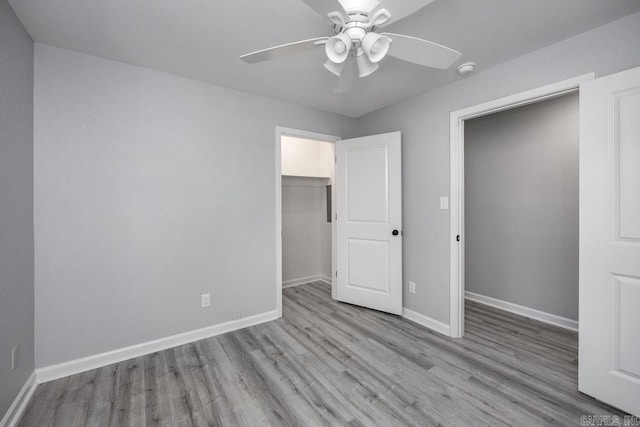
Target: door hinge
{"type": "Point", "coordinates": [335, 159]}
{"type": "Point", "coordinates": [458, 238]}
{"type": "Point", "coordinates": [336, 273]}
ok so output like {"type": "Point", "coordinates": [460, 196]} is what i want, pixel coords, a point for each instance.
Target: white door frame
{"type": "Point", "coordinates": [457, 119]}
{"type": "Point", "coordinates": [280, 131]}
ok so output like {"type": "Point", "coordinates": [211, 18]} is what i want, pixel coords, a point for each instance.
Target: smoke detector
{"type": "Point", "coordinates": [466, 68]}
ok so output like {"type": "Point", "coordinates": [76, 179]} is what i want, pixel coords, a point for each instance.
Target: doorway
{"type": "Point", "coordinates": [521, 210]}
{"type": "Point", "coordinates": [304, 173]}
{"type": "Point", "coordinates": [457, 205]}
{"type": "Point", "coordinates": [366, 232]}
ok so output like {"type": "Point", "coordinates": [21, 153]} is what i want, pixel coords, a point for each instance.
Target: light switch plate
{"type": "Point", "coordinates": [14, 358]}
{"type": "Point", "coordinates": [444, 202]}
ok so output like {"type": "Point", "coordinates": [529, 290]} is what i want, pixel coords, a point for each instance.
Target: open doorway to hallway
{"type": "Point", "coordinates": [521, 210]}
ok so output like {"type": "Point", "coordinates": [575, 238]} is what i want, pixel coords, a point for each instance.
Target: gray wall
{"type": "Point", "coordinates": [306, 234]}
{"type": "Point", "coordinates": [150, 190]}
{"type": "Point", "coordinates": [424, 122]}
{"type": "Point", "coordinates": [521, 205]}
{"type": "Point", "coordinates": [16, 204]}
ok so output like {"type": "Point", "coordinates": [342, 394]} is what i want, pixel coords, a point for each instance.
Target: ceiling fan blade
{"type": "Point", "coordinates": [324, 7]}
{"type": "Point", "coordinates": [283, 50]}
{"type": "Point", "coordinates": [421, 52]}
{"type": "Point", "coordinates": [399, 8]}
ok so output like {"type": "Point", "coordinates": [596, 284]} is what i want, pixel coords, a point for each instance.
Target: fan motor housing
{"type": "Point", "coordinates": [356, 27]}
{"type": "Point", "coordinates": [356, 34]}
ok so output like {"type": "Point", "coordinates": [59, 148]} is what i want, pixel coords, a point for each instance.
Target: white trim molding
{"type": "Point", "coordinates": [305, 181]}
{"type": "Point", "coordinates": [83, 364]}
{"type": "Point", "coordinates": [15, 411]}
{"type": "Point", "coordinates": [426, 321]}
{"type": "Point", "coordinates": [304, 280]}
{"type": "Point", "coordinates": [531, 313]}
{"type": "Point", "coordinates": [325, 279]}
{"type": "Point", "coordinates": [456, 192]}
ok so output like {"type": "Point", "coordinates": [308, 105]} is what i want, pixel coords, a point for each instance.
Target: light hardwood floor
{"type": "Point", "coordinates": [327, 363]}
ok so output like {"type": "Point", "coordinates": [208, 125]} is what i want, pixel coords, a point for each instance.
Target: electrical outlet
{"type": "Point", "coordinates": [206, 300]}
{"type": "Point", "coordinates": [14, 358]}
{"type": "Point", "coordinates": [236, 315]}
{"type": "Point", "coordinates": [412, 287]}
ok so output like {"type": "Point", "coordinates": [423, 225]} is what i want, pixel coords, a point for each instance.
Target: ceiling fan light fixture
{"type": "Point", "coordinates": [375, 46]}
{"type": "Point", "coordinates": [334, 68]}
{"type": "Point", "coordinates": [338, 47]}
{"type": "Point", "coordinates": [355, 24]}
{"type": "Point", "coordinates": [365, 66]}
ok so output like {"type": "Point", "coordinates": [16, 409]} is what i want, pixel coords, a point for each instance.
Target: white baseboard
{"type": "Point", "coordinates": [325, 279]}
{"type": "Point", "coordinates": [426, 321]}
{"type": "Point", "coordinates": [531, 313]}
{"type": "Point", "coordinates": [304, 280]}
{"type": "Point", "coordinates": [61, 370]}
{"type": "Point", "coordinates": [19, 404]}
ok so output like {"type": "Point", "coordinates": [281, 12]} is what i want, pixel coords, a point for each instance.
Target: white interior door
{"type": "Point", "coordinates": [609, 359]}
{"type": "Point", "coordinates": [369, 222]}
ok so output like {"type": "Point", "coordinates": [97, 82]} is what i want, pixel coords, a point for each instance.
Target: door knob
{"type": "Point", "coordinates": [395, 232]}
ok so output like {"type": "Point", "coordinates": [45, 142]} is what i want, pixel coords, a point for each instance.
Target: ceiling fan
{"type": "Point", "coordinates": [355, 25]}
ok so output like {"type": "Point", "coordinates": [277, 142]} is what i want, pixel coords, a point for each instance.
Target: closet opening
{"type": "Point", "coordinates": [305, 213]}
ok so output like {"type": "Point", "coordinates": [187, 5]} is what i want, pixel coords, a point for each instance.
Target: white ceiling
{"type": "Point", "coordinates": [202, 39]}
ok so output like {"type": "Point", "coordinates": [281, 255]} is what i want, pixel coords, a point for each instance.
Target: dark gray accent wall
{"type": "Point", "coordinates": [521, 206]}
{"type": "Point", "coordinates": [16, 205]}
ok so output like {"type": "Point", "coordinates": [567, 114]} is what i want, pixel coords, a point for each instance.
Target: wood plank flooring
{"type": "Point", "coordinates": [327, 363]}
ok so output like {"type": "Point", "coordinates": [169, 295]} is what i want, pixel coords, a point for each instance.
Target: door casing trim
{"type": "Point", "coordinates": [456, 190]}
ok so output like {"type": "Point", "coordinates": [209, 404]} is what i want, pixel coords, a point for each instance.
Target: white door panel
{"type": "Point", "coordinates": [629, 295]}
{"type": "Point", "coordinates": [369, 262]}
{"type": "Point", "coordinates": [366, 182]}
{"type": "Point", "coordinates": [609, 358]}
{"type": "Point", "coordinates": [369, 209]}
{"type": "Point", "coordinates": [629, 154]}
